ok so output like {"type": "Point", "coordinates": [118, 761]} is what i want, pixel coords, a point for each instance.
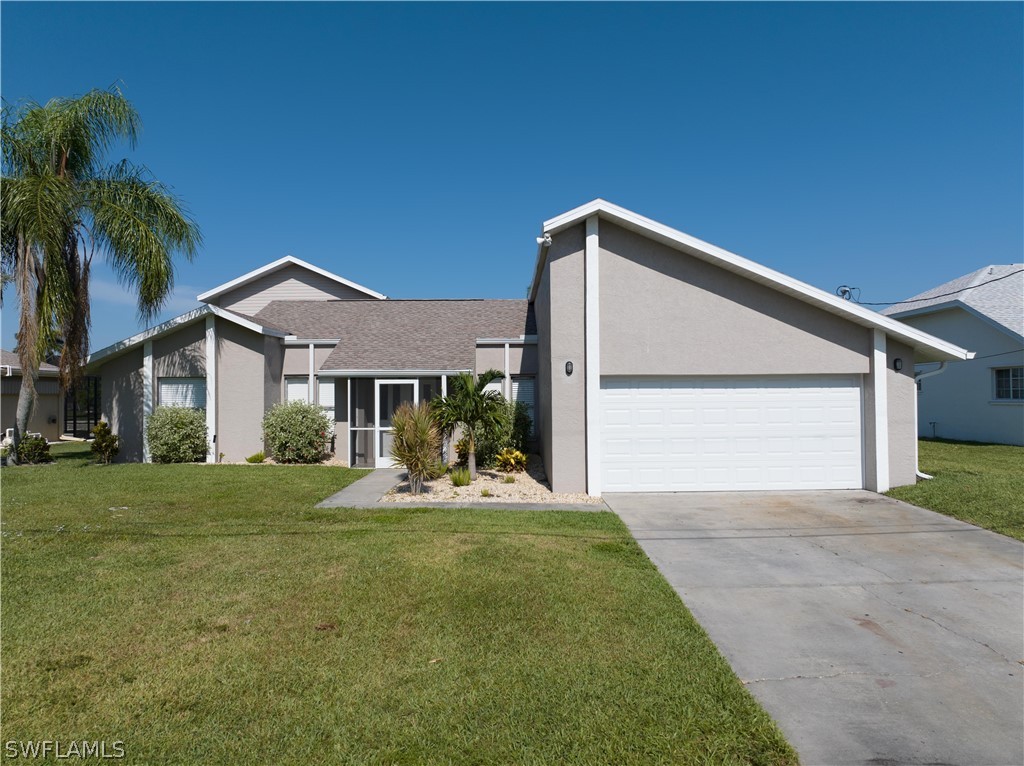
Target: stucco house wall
{"type": "Point", "coordinates": [48, 414]}
{"type": "Point", "coordinates": [959, 401]}
{"type": "Point", "coordinates": [121, 395]}
{"type": "Point", "coordinates": [699, 319]}
{"type": "Point", "coordinates": [559, 307]}
{"type": "Point", "coordinates": [240, 391]}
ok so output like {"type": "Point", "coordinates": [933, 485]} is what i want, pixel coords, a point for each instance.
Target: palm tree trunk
{"type": "Point", "coordinates": [471, 462]}
{"type": "Point", "coordinates": [26, 403]}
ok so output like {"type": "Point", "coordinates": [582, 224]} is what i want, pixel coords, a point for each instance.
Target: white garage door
{"type": "Point", "coordinates": [734, 433]}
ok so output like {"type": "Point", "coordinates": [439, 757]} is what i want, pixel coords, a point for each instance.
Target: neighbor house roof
{"type": "Point", "coordinates": [10, 359]}
{"type": "Point", "coordinates": [270, 268]}
{"type": "Point", "coordinates": [436, 335]}
{"type": "Point", "coordinates": [994, 293]}
{"type": "Point", "coordinates": [928, 347]}
{"type": "Point", "coordinates": [172, 325]}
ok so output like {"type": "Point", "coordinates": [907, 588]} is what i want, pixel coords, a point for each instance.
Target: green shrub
{"type": "Point", "coordinates": [296, 432]}
{"type": "Point", "coordinates": [177, 435]}
{"type": "Point", "coordinates": [485, 492]}
{"type": "Point", "coordinates": [105, 444]}
{"type": "Point", "coordinates": [460, 477]}
{"type": "Point", "coordinates": [510, 479]}
{"type": "Point", "coordinates": [510, 460]}
{"type": "Point", "coordinates": [416, 443]}
{"type": "Point", "coordinates": [259, 457]}
{"type": "Point", "coordinates": [33, 449]}
{"type": "Point", "coordinates": [510, 432]}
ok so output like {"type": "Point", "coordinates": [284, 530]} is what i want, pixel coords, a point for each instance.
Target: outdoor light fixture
{"type": "Point", "coordinates": [897, 364]}
{"type": "Point", "coordinates": [568, 368]}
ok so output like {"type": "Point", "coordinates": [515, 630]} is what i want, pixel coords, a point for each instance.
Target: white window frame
{"type": "Point", "coordinates": [198, 383]}
{"type": "Point", "coordinates": [1015, 371]}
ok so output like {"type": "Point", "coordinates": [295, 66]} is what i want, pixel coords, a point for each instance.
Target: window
{"type": "Point", "coordinates": [1009, 384]}
{"type": "Point", "coordinates": [182, 392]}
{"type": "Point", "coordinates": [325, 397]}
{"type": "Point", "coordinates": [296, 389]}
{"type": "Point", "coordinates": [523, 391]}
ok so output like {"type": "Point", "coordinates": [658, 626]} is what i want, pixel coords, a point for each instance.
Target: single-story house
{"type": "Point", "coordinates": [652, 361]}
{"type": "Point", "coordinates": [981, 399]}
{"type": "Point", "coordinates": [49, 409]}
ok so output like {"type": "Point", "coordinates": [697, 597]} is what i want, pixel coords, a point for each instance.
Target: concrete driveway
{"type": "Point", "coordinates": [874, 632]}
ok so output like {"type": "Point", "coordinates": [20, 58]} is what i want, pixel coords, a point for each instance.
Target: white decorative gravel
{"type": "Point", "coordinates": [530, 486]}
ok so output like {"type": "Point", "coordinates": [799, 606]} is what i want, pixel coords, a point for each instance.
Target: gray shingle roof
{"type": "Point", "coordinates": [1001, 301]}
{"type": "Point", "coordinates": [10, 358]}
{"type": "Point", "coordinates": [402, 334]}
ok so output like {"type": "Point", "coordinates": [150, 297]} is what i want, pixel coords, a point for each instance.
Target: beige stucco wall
{"type": "Point", "coordinates": [48, 415]}
{"type": "Point", "coordinates": [241, 381]}
{"type": "Point", "coordinates": [563, 413]}
{"type": "Point", "coordinates": [121, 401]}
{"type": "Point", "coordinates": [522, 359]}
{"type": "Point", "coordinates": [901, 393]}
{"type": "Point", "coordinates": [959, 401]}
{"type": "Point", "coordinates": [181, 354]}
{"type": "Point", "coordinates": [664, 312]}
{"type": "Point", "coordinates": [296, 358]}
{"type": "Point", "coordinates": [292, 283]}
{"type": "Point", "coordinates": [542, 312]}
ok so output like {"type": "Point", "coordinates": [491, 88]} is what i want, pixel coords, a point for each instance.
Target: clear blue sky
{"type": "Point", "coordinates": [416, 149]}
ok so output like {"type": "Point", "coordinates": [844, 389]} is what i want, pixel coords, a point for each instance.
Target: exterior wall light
{"type": "Point", "coordinates": [568, 368]}
{"type": "Point", "coordinates": [897, 364]}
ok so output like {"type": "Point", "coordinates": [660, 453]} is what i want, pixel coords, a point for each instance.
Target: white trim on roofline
{"type": "Point", "coordinates": [520, 341]}
{"type": "Point", "coordinates": [177, 322]}
{"type": "Point", "coordinates": [956, 303]}
{"type": "Point", "coordinates": [387, 373]}
{"type": "Point", "coordinates": [295, 340]}
{"type": "Point", "coordinates": [280, 263]}
{"type": "Point", "coordinates": [746, 268]}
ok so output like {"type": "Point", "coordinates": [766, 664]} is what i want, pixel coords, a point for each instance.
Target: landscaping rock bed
{"type": "Point", "coordinates": [530, 486]}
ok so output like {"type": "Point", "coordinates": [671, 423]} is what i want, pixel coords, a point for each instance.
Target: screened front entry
{"type": "Point", "coordinates": [372, 403]}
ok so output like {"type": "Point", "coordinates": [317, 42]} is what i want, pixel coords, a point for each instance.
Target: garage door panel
{"type": "Point", "coordinates": [700, 434]}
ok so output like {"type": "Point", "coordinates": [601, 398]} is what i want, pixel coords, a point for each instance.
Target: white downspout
{"type": "Point", "coordinates": [919, 376]}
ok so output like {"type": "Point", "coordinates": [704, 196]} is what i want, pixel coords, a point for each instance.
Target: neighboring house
{"type": "Point", "coordinates": [651, 361]}
{"type": "Point", "coordinates": [981, 399]}
{"type": "Point", "coordinates": [46, 418]}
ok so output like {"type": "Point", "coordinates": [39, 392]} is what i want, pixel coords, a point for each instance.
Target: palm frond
{"type": "Point", "coordinates": [140, 225]}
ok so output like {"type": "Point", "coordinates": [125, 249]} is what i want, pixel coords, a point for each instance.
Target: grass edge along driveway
{"type": "Point", "coordinates": [210, 613]}
{"type": "Point", "coordinates": [982, 484]}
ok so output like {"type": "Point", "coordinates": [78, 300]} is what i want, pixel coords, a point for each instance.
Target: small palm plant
{"type": "Point", "coordinates": [416, 444]}
{"type": "Point", "coordinates": [470, 406]}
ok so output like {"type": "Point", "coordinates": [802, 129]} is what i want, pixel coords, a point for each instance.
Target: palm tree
{"type": "Point", "coordinates": [60, 203]}
{"type": "Point", "coordinates": [470, 406]}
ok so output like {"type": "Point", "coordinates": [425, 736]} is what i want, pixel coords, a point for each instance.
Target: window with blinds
{"type": "Point", "coordinates": [182, 392]}
{"type": "Point", "coordinates": [325, 397]}
{"type": "Point", "coordinates": [523, 390]}
{"type": "Point", "coordinates": [296, 389]}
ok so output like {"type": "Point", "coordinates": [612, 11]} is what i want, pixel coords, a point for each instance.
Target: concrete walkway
{"type": "Point", "coordinates": [873, 631]}
{"type": "Point", "coordinates": [365, 492]}
{"type": "Point", "coordinates": [368, 491]}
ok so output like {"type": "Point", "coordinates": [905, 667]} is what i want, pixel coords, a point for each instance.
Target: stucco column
{"type": "Point", "coordinates": [880, 412]}
{"type": "Point", "coordinates": [211, 389]}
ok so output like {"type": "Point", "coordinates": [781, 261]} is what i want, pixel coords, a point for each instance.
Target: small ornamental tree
{"type": "Point", "coordinates": [471, 406]}
{"type": "Point", "coordinates": [177, 435]}
{"type": "Point", "coordinates": [416, 444]}
{"type": "Point", "coordinates": [296, 432]}
{"type": "Point", "coordinates": [106, 444]}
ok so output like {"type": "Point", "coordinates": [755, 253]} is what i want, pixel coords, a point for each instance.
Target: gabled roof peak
{"type": "Point", "coordinates": [280, 263]}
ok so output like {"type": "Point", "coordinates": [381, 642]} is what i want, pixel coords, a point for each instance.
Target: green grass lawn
{"type": "Point", "coordinates": [209, 614]}
{"type": "Point", "coordinates": [982, 484]}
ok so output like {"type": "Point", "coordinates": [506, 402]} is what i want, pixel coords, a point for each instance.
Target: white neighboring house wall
{"type": "Point", "coordinates": [960, 403]}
